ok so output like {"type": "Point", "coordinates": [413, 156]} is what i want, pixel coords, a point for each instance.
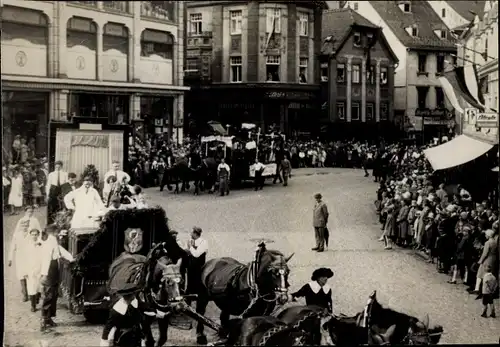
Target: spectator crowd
{"type": "Point", "coordinates": [447, 225]}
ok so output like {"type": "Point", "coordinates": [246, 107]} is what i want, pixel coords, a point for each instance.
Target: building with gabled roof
{"type": "Point", "coordinates": [357, 68]}
{"type": "Point", "coordinates": [456, 15]}
{"type": "Point", "coordinates": [424, 45]}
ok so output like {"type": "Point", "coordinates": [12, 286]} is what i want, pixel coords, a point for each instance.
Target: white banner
{"type": "Point", "coordinates": [487, 120]}
{"type": "Point", "coordinates": [269, 170]}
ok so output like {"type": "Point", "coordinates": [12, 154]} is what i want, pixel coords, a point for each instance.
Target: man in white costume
{"type": "Point", "coordinates": [116, 172]}
{"type": "Point", "coordinates": [86, 203]}
{"type": "Point", "coordinates": [33, 266]}
{"type": "Point", "coordinates": [18, 247]}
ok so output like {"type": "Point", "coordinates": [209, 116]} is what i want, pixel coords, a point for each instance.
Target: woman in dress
{"type": "Point", "coordinates": [16, 193]}
{"type": "Point", "coordinates": [390, 225]}
{"type": "Point", "coordinates": [33, 267]}
{"type": "Point", "coordinates": [317, 292]}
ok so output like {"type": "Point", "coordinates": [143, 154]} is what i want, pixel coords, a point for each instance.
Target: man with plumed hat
{"type": "Point", "coordinates": [317, 292]}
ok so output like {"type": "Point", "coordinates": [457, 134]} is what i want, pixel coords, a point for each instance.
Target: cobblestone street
{"type": "Point", "coordinates": [234, 224]}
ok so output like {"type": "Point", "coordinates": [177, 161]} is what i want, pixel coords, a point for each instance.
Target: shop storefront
{"type": "Point", "coordinates": [288, 108]}
{"type": "Point", "coordinates": [157, 113]}
{"type": "Point", "coordinates": [24, 124]}
{"type": "Point", "coordinates": [436, 124]}
{"type": "Point", "coordinates": [115, 108]}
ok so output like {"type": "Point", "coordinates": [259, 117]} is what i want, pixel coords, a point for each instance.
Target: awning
{"type": "Point", "coordinates": [495, 169]}
{"type": "Point", "coordinates": [217, 128]}
{"type": "Point", "coordinates": [462, 149]}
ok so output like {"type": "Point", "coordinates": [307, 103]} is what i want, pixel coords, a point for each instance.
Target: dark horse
{"type": "Point", "coordinates": [243, 290]}
{"type": "Point", "coordinates": [380, 323]}
{"type": "Point", "coordinates": [262, 331]}
{"type": "Point", "coordinates": [203, 175]}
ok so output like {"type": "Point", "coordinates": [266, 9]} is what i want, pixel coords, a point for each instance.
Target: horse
{"type": "Point", "coordinates": [243, 290]}
{"type": "Point", "coordinates": [261, 331]}
{"type": "Point", "coordinates": [321, 328]}
{"type": "Point", "coordinates": [179, 172]}
{"type": "Point", "coordinates": [378, 323]}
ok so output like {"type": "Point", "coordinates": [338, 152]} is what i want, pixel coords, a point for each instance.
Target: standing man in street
{"type": "Point", "coordinates": [320, 220]}
{"type": "Point", "coordinates": [68, 187]}
{"type": "Point", "coordinates": [286, 169]}
{"type": "Point", "coordinates": [197, 248]}
{"type": "Point", "coordinates": [280, 155]}
{"type": "Point", "coordinates": [51, 252]}
{"type": "Point", "coordinates": [223, 171]}
{"type": "Point", "coordinates": [259, 169]}
{"type": "Point", "coordinates": [54, 182]}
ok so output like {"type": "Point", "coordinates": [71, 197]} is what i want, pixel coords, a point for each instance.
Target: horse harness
{"type": "Point", "coordinates": [275, 330]}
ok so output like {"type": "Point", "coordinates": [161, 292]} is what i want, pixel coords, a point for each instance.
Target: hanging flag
{"type": "Point", "coordinates": [450, 93]}
{"type": "Point", "coordinates": [456, 79]}
{"type": "Point", "coordinates": [271, 33]}
{"type": "Point", "coordinates": [471, 80]}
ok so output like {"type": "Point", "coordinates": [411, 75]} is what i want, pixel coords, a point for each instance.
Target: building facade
{"type": "Point", "coordinates": [457, 14]}
{"type": "Point", "coordinates": [359, 87]}
{"type": "Point", "coordinates": [117, 61]}
{"type": "Point", "coordinates": [424, 46]}
{"type": "Point", "coordinates": [253, 61]}
{"type": "Point", "coordinates": [479, 46]}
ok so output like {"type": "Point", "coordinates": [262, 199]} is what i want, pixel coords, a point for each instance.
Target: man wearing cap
{"type": "Point", "coordinates": [320, 220]}
{"type": "Point", "coordinates": [53, 190]}
{"type": "Point", "coordinates": [50, 254]}
{"type": "Point", "coordinates": [197, 248]}
{"type": "Point", "coordinates": [86, 203]}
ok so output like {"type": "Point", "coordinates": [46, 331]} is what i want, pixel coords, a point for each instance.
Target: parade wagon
{"type": "Point", "coordinates": [83, 283]}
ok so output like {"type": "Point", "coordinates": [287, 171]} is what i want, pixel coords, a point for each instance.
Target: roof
{"type": "Point", "coordinates": [423, 17]}
{"type": "Point", "coordinates": [464, 8]}
{"type": "Point", "coordinates": [338, 23]}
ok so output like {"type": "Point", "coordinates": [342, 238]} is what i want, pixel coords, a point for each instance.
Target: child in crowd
{"type": "Point", "coordinates": [490, 287]}
{"type": "Point", "coordinates": [36, 191]}
{"type": "Point", "coordinates": [16, 193]}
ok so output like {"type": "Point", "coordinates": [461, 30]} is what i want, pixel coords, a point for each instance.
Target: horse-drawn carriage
{"type": "Point", "coordinates": [83, 282]}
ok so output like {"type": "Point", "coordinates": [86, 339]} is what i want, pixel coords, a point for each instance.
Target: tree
{"type": "Point", "coordinates": [91, 171]}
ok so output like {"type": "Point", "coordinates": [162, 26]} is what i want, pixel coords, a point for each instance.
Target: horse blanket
{"type": "Point", "coordinates": [125, 269]}
{"type": "Point", "coordinates": [223, 275]}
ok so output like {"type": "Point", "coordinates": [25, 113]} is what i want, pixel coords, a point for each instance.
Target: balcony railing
{"type": "Point", "coordinates": [86, 3]}
{"type": "Point", "coordinates": [163, 10]}
{"type": "Point", "coordinates": [118, 6]}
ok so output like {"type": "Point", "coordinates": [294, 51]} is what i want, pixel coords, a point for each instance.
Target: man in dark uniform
{"type": "Point", "coordinates": [279, 155]}
{"type": "Point", "coordinates": [51, 253]}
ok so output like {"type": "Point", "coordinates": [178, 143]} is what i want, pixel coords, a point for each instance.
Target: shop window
{"type": "Point", "coordinates": [341, 110]}
{"type": "Point", "coordinates": [340, 73]}
{"type": "Point", "coordinates": [303, 70]}
{"type": "Point", "coordinates": [355, 73]}
{"type": "Point", "coordinates": [113, 107]}
{"type": "Point", "coordinates": [157, 42]}
{"type": "Point", "coordinates": [273, 63]}
{"type": "Point", "coordinates": [156, 110]}
{"type": "Point", "coordinates": [196, 23]}
{"type": "Point", "coordinates": [236, 20]}
{"type": "Point", "coordinates": [355, 111]}
{"type": "Point", "coordinates": [383, 75]}
{"type": "Point", "coordinates": [236, 69]}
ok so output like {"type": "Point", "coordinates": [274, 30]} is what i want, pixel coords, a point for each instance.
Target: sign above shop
{"type": "Point", "coordinates": [487, 120]}
{"type": "Point", "coordinates": [436, 113]}
{"type": "Point", "coordinates": [288, 95]}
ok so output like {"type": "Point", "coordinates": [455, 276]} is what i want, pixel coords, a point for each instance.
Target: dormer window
{"type": "Point", "coordinates": [405, 6]}
{"type": "Point", "coordinates": [412, 31]}
{"type": "Point", "coordinates": [441, 33]}
{"type": "Point", "coordinates": [357, 39]}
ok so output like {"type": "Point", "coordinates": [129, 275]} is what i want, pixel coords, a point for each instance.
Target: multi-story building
{"type": "Point", "coordinates": [116, 61]}
{"type": "Point", "coordinates": [424, 46]}
{"type": "Point", "coordinates": [479, 46]}
{"type": "Point", "coordinates": [457, 15]}
{"type": "Point", "coordinates": [253, 61]}
{"type": "Point", "coordinates": [359, 93]}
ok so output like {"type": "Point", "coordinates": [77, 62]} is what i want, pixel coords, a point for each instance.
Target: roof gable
{"type": "Point", "coordinates": [338, 23]}
{"type": "Point", "coordinates": [465, 8]}
{"type": "Point", "coordinates": [421, 16]}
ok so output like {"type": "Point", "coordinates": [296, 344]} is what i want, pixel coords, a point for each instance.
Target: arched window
{"type": "Point", "coordinates": [81, 32]}
{"type": "Point", "coordinates": [157, 42]}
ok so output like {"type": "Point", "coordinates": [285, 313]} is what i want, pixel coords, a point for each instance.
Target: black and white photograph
{"type": "Point", "coordinates": [250, 173]}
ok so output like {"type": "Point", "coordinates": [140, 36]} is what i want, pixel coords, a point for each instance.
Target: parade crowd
{"type": "Point", "coordinates": [455, 232]}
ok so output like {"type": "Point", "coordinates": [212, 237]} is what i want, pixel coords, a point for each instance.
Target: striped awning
{"type": "Point", "coordinates": [462, 83]}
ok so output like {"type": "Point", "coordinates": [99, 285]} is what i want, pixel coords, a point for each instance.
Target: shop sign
{"type": "Point", "coordinates": [487, 120]}
{"type": "Point", "coordinates": [436, 113]}
{"type": "Point", "coordinates": [436, 121]}
{"type": "Point", "coordinates": [288, 95]}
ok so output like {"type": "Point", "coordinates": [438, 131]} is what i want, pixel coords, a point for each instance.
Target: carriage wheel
{"type": "Point", "coordinates": [95, 316]}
